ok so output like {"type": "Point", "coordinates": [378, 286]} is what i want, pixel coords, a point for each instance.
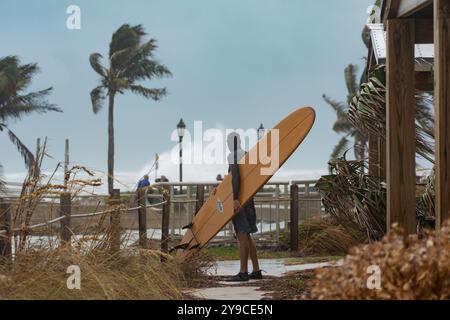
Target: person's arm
{"type": "Point", "coordinates": [236, 180]}
{"type": "Point", "coordinates": [236, 184]}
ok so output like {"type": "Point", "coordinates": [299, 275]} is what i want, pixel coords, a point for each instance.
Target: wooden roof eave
{"type": "Point", "coordinates": [402, 8]}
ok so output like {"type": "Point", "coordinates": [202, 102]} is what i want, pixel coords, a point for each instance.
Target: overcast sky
{"type": "Point", "coordinates": [235, 64]}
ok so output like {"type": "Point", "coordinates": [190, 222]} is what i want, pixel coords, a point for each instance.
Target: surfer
{"type": "Point", "coordinates": [244, 221]}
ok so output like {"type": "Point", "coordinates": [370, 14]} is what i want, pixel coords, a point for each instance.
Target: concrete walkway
{"type": "Point", "coordinates": [235, 291]}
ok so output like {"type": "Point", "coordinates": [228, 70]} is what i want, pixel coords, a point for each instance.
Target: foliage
{"type": "Point", "coordinates": [367, 112]}
{"type": "Point", "coordinates": [131, 60]}
{"type": "Point", "coordinates": [131, 275]}
{"type": "Point", "coordinates": [412, 268]}
{"type": "Point", "coordinates": [15, 103]}
{"type": "Point", "coordinates": [425, 211]}
{"type": "Point", "coordinates": [321, 236]}
{"type": "Point", "coordinates": [354, 199]}
{"type": "Point", "coordinates": [342, 125]}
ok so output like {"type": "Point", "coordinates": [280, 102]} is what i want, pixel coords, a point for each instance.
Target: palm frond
{"type": "Point", "coordinates": [354, 199]}
{"type": "Point", "coordinates": [27, 155]}
{"type": "Point", "coordinates": [339, 149]}
{"type": "Point", "coordinates": [125, 37]}
{"type": "Point", "coordinates": [33, 102]}
{"type": "Point", "coordinates": [350, 80]}
{"type": "Point", "coordinates": [149, 93]}
{"type": "Point", "coordinates": [337, 106]}
{"type": "Point", "coordinates": [367, 112]}
{"type": "Point", "coordinates": [94, 60]}
{"type": "Point", "coordinates": [97, 97]}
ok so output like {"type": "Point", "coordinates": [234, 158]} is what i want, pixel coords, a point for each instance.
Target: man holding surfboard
{"type": "Point", "coordinates": [244, 221]}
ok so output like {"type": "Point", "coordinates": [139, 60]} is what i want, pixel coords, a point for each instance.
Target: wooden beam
{"type": "Point", "coordinates": [390, 9]}
{"type": "Point", "coordinates": [407, 8]}
{"type": "Point", "coordinates": [442, 103]}
{"type": "Point", "coordinates": [400, 129]}
{"type": "Point", "coordinates": [424, 30]}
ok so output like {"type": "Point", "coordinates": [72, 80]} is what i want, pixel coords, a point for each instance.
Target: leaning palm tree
{"type": "Point", "coordinates": [342, 125]}
{"type": "Point", "coordinates": [131, 60]}
{"type": "Point", "coordinates": [16, 103]}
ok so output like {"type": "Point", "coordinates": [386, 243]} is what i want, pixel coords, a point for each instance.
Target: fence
{"type": "Point", "coordinates": [272, 204]}
{"type": "Point", "coordinates": [161, 214]}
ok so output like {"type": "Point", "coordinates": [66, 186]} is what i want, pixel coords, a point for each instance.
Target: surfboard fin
{"type": "Point", "coordinates": [195, 246]}
{"type": "Point", "coordinates": [189, 226]}
{"type": "Point", "coordinates": [182, 246]}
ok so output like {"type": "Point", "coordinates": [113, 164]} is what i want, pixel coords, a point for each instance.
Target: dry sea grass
{"type": "Point", "coordinates": [134, 274]}
{"type": "Point", "coordinates": [321, 236]}
{"type": "Point", "coordinates": [412, 268]}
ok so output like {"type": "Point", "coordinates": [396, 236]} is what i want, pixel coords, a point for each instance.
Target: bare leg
{"type": "Point", "coordinates": [243, 250]}
{"type": "Point", "coordinates": [253, 254]}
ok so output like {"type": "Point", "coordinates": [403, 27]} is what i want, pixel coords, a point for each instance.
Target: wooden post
{"type": "Point", "coordinates": [165, 237]}
{"type": "Point", "coordinates": [66, 163]}
{"type": "Point", "coordinates": [382, 152]}
{"type": "Point", "coordinates": [200, 197]}
{"type": "Point", "coordinates": [442, 94]}
{"type": "Point", "coordinates": [400, 129]}
{"type": "Point", "coordinates": [65, 209]}
{"type": "Point", "coordinates": [115, 220]}
{"type": "Point", "coordinates": [142, 217]}
{"type": "Point", "coordinates": [294, 217]}
{"type": "Point", "coordinates": [5, 237]}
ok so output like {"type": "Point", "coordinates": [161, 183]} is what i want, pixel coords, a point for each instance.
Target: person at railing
{"type": "Point", "coordinates": [244, 221]}
{"type": "Point", "coordinates": [144, 182]}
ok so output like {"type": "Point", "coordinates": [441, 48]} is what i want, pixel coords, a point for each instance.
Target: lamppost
{"type": "Point", "coordinates": [181, 127]}
{"type": "Point", "coordinates": [261, 132]}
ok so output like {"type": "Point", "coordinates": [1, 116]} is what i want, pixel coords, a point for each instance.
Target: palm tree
{"type": "Point", "coordinates": [342, 124]}
{"type": "Point", "coordinates": [15, 103]}
{"type": "Point", "coordinates": [130, 60]}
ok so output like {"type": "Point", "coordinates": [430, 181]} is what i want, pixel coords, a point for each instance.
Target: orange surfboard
{"type": "Point", "coordinates": [255, 170]}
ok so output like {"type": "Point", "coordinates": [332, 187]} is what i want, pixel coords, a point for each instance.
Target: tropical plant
{"type": "Point", "coordinates": [354, 199]}
{"type": "Point", "coordinates": [342, 125]}
{"type": "Point", "coordinates": [131, 60]}
{"type": "Point", "coordinates": [16, 103]}
{"type": "Point", "coordinates": [367, 112]}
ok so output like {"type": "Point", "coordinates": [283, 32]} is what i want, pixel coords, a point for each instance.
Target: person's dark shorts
{"type": "Point", "coordinates": [245, 220]}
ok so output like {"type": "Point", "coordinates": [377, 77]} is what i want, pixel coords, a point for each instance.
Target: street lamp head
{"type": "Point", "coordinates": [261, 131]}
{"type": "Point", "coordinates": [181, 127]}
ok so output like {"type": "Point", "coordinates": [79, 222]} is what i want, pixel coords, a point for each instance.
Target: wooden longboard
{"type": "Point", "coordinates": [218, 209]}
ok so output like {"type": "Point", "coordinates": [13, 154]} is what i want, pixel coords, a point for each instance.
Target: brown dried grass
{"type": "Point", "coordinates": [412, 268]}
{"type": "Point", "coordinates": [131, 274]}
{"type": "Point", "coordinates": [320, 236]}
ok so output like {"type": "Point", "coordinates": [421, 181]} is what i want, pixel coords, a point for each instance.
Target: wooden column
{"type": "Point", "coordinates": [442, 102]}
{"type": "Point", "coordinates": [115, 221]}
{"type": "Point", "coordinates": [142, 217]}
{"type": "Point", "coordinates": [382, 158]}
{"type": "Point", "coordinates": [400, 127]}
{"type": "Point", "coordinates": [200, 197]}
{"type": "Point", "coordinates": [5, 237]}
{"type": "Point", "coordinates": [65, 209]}
{"type": "Point", "coordinates": [294, 217]}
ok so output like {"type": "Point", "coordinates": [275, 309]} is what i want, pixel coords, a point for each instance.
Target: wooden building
{"type": "Point", "coordinates": [407, 23]}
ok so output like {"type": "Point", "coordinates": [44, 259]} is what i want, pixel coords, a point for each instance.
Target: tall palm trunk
{"type": "Point", "coordinates": [111, 143]}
